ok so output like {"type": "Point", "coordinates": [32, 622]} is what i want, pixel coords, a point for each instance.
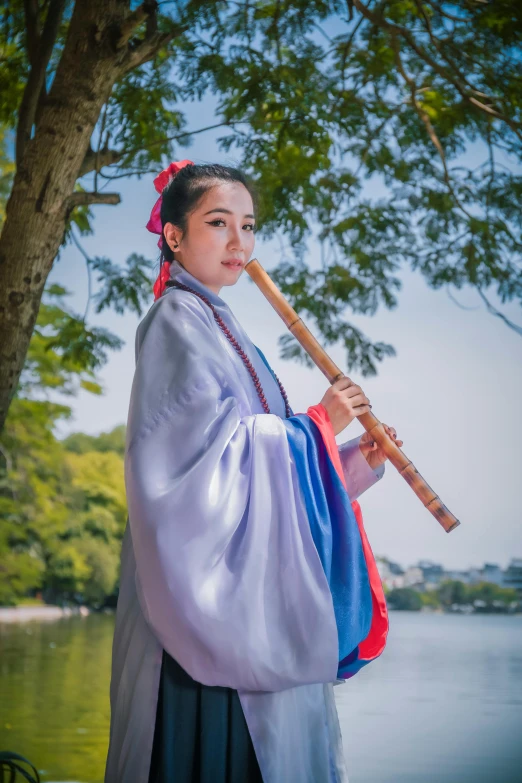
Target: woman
{"type": "Point", "coordinates": [247, 584]}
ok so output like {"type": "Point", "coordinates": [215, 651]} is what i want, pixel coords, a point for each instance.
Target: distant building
{"type": "Point", "coordinates": [427, 575]}
{"type": "Point", "coordinates": [413, 577]}
{"type": "Point", "coordinates": [491, 572]}
{"type": "Point", "coordinates": [432, 574]}
{"type": "Point", "coordinates": [475, 576]}
{"type": "Point", "coordinates": [391, 573]}
{"type": "Point", "coordinates": [513, 575]}
{"type": "Point", "coordinates": [458, 576]}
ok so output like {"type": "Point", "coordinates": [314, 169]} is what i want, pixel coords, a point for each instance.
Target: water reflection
{"type": "Point", "coordinates": [443, 703]}
{"type": "Point", "coordinates": [54, 680]}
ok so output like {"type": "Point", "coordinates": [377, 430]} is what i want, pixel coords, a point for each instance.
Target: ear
{"type": "Point", "coordinates": [172, 235]}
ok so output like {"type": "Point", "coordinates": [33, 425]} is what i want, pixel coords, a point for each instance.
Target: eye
{"type": "Point", "coordinates": [250, 226]}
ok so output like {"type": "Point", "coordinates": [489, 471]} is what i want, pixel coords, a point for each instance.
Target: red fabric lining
{"type": "Point", "coordinates": [375, 642]}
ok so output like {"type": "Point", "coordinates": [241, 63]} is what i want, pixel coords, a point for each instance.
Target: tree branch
{"type": "Point", "coordinates": [36, 80]}
{"type": "Point", "coordinates": [108, 157]}
{"type": "Point", "coordinates": [428, 124]}
{"type": "Point", "coordinates": [493, 310]}
{"type": "Point", "coordinates": [148, 48]}
{"type": "Point", "coordinates": [32, 29]}
{"type": "Point", "coordinates": [97, 160]}
{"type": "Point", "coordinates": [140, 52]}
{"type": "Point", "coordinates": [438, 44]}
{"type": "Point", "coordinates": [143, 12]}
{"type": "Point", "coordinates": [456, 301]}
{"type": "Point", "coordinates": [89, 274]}
{"type": "Point", "coordinates": [444, 13]}
{"type": "Point", "coordinates": [80, 199]}
{"type": "Point", "coordinates": [456, 80]}
{"type": "Point", "coordinates": [97, 155]}
{"type": "Point", "coordinates": [347, 46]}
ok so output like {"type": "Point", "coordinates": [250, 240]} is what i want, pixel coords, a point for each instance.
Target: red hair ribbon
{"type": "Point", "coordinates": [154, 222]}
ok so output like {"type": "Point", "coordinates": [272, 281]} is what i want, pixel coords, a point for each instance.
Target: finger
{"type": "Point", "coordinates": [359, 399]}
{"type": "Point", "coordinates": [367, 446]}
{"type": "Point", "coordinates": [351, 391]}
{"type": "Point", "coordinates": [342, 383]}
{"type": "Point", "coordinates": [361, 409]}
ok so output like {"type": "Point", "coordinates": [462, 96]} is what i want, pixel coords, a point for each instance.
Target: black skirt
{"type": "Point", "coordinates": [201, 735]}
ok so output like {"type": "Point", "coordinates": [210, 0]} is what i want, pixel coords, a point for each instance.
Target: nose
{"type": "Point", "coordinates": [235, 240]}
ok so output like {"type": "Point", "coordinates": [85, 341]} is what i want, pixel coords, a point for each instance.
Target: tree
{"type": "Point", "coordinates": [396, 89]}
{"type": "Point", "coordinates": [84, 558]}
{"type": "Point", "coordinates": [492, 598]}
{"type": "Point", "coordinates": [81, 443]}
{"type": "Point", "coordinates": [404, 598]}
{"type": "Point", "coordinates": [62, 503]}
{"type": "Point", "coordinates": [451, 591]}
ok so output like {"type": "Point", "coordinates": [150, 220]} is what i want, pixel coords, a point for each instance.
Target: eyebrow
{"type": "Point", "coordinates": [225, 211]}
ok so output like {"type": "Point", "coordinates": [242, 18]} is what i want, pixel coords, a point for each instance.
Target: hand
{"type": "Point", "coordinates": [344, 401]}
{"type": "Point", "coordinates": [373, 453]}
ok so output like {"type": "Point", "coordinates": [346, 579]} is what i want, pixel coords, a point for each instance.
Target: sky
{"type": "Point", "coordinates": [452, 392]}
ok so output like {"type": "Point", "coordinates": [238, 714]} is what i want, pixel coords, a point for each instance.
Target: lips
{"type": "Point", "coordinates": [233, 263]}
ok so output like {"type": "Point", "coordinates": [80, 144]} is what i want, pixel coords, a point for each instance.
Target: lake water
{"type": "Point", "coordinates": [443, 703]}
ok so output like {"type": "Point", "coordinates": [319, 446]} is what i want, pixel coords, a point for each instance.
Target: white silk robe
{"type": "Point", "coordinates": [218, 564]}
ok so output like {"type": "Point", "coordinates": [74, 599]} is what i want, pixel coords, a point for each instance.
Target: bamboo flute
{"type": "Point", "coordinates": [370, 423]}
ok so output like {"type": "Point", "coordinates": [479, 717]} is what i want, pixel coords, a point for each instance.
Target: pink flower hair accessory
{"type": "Point", "coordinates": [154, 223]}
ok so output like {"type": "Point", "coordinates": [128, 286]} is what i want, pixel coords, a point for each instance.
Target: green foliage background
{"type": "Point", "coordinates": [315, 99]}
{"type": "Point", "coordinates": [490, 597]}
{"type": "Point", "coordinates": [62, 502]}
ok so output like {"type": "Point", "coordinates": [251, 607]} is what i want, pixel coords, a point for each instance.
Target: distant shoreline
{"type": "Point", "coordinates": [22, 614]}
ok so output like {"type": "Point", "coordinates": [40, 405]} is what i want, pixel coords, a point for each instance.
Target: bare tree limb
{"type": "Point", "coordinates": [126, 174]}
{"type": "Point", "coordinates": [89, 273]}
{"type": "Point", "coordinates": [493, 310]}
{"type": "Point", "coordinates": [36, 80]}
{"type": "Point", "coordinates": [80, 199]}
{"type": "Point", "coordinates": [455, 301]}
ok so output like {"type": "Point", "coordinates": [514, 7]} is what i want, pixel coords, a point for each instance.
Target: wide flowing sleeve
{"type": "Point", "coordinates": [230, 572]}
{"type": "Point", "coordinates": [345, 517]}
{"type": "Point", "coordinates": [358, 475]}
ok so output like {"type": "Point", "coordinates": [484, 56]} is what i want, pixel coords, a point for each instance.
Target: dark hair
{"type": "Point", "coordinates": [182, 194]}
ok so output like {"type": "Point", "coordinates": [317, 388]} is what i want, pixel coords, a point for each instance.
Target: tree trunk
{"type": "Point", "coordinates": [37, 208]}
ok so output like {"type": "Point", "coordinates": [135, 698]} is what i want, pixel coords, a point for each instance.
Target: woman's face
{"type": "Point", "coordinates": [220, 230]}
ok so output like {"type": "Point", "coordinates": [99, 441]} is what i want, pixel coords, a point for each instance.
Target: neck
{"type": "Point", "coordinates": [178, 272]}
